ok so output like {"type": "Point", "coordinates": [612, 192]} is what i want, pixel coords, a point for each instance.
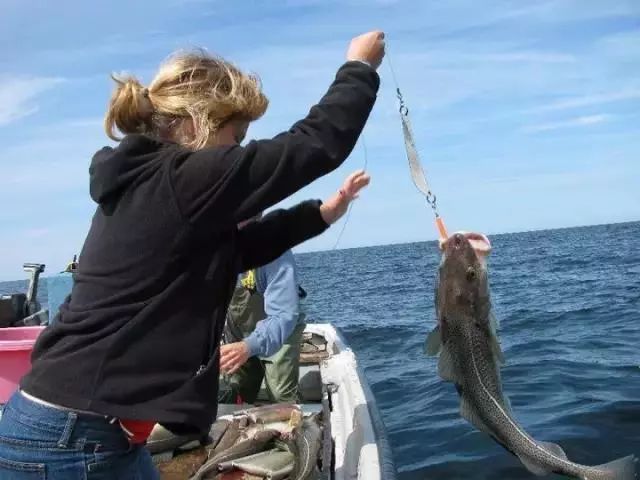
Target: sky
{"type": "Point", "coordinates": [526, 114]}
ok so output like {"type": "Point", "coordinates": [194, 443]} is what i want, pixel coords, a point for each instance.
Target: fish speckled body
{"type": "Point", "coordinates": [471, 357]}
{"type": "Point", "coordinates": [305, 444]}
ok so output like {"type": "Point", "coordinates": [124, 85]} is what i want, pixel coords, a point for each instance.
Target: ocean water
{"type": "Point", "coordinates": [568, 302]}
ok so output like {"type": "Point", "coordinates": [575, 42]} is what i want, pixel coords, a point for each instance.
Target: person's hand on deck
{"type": "Point", "coordinates": [233, 356]}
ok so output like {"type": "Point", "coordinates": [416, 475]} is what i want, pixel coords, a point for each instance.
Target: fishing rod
{"type": "Point", "coordinates": [415, 165]}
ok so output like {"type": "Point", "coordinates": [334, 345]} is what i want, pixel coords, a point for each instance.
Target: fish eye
{"type": "Point", "coordinates": [471, 274]}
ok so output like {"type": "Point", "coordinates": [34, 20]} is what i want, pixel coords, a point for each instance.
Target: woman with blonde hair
{"type": "Point", "coordinates": [137, 342]}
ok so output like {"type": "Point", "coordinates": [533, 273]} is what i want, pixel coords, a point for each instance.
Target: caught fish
{"type": "Point", "coordinates": [228, 438]}
{"type": "Point", "coordinates": [470, 356]}
{"type": "Point", "coordinates": [250, 432]}
{"type": "Point", "coordinates": [272, 464]}
{"type": "Point", "coordinates": [278, 412]}
{"type": "Point", "coordinates": [283, 418]}
{"type": "Point", "coordinates": [237, 475]}
{"type": "Point", "coordinates": [305, 445]}
{"type": "Point", "coordinates": [243, 447]}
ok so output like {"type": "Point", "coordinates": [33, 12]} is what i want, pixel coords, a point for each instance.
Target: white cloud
{"type": "Point", "coordinates": [113, 51]}
{"type": "Point", "coordinates": [88, 122]}
{"type": "Point", "coordinates": [37, 232]}
{"type": "Point", "coordinates": [526, 56]}
{"type": "Point", "coordinates": [574, 122]}
{"type": "Point", "coordinates": [563, 11]}
{"type": "Point", "coordinates": [54, 159]}
{"type": "Point", "coordinates": [468, 72]}
{"type": "Point", "coordinates": [590, 100]}
{"type": "Point", "coordinates": [459, 54]}
{"type": "Point", "coordinates": [17, 95]}
{"type": "Point", "coordinates": [623, 46]}
{"type": "Point", "coordinates": [181, 3]}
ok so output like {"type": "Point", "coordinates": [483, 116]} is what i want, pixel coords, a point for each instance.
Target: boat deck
{"type": "Point", "coordinates": [179, 462]}
{"type": "Point", "coordinates": [354, 444]}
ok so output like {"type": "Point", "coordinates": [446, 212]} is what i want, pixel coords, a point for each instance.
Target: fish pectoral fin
{"type": "Point", "coordinates": [553, 448]}
{"type": "Point", "coordinates": [470, 414]}
{"type": "Point", "coordinates": [493, 321]}
{"type": "Point", "coordinates": [497, 351]}
{"type": "Point", "coordinates": [507, 405]}
{"type": "Point", "coordinates": [493, 338]}
{"type": "Point", "coordinates": [446, 366]}
{"type": "Point", "coordinates": [433, 343]}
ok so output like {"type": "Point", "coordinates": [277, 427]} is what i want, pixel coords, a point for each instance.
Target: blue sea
{"type": "Point", "coordinates": [568, 302]}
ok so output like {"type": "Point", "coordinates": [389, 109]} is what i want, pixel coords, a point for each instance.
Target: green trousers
{"type": "Point", "coordinates": [280, 373]}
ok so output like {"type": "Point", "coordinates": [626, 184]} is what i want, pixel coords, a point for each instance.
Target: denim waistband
{"type": "Point", "coordinates": [59, 407]}
{"type": "Point", "coordinates": [64, 426]}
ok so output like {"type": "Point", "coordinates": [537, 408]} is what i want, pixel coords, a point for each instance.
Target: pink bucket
{"type": "Point", "coordinates": [16, 345]}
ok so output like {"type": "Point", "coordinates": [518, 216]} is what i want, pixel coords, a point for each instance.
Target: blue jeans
{"type": "Point", "coordinates": [45, 443]}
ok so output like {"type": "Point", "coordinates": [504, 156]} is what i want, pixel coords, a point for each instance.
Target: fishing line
{"type": "Point", "coordinates": [346, 218]}
{"type": "Point", "coordinates": [415, 165]}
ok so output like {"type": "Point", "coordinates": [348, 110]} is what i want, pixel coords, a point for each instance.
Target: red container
{"type": "Point", "coordinates": [16, 345]}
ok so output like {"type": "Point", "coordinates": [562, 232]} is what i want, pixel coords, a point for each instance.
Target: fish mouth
{"type": "Point", "coordinates": [478, 241]}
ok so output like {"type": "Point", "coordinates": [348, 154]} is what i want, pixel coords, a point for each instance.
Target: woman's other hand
{"type": "Point", "coordinates": [336, 206]}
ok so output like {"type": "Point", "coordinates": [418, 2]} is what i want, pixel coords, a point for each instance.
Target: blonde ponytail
{"type": "Point", "coordinates": [204, 90]}
{"type": "Point", "coordinates": [130, 109]}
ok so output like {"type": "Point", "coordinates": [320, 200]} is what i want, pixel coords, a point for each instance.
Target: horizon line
{"type": "Point", "coordinates": [432, 240]}
{"type": "Point", "coordinates": [499, 234]}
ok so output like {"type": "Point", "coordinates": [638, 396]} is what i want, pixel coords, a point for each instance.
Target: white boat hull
{"type": "Point", "coordinates": [361, 448]}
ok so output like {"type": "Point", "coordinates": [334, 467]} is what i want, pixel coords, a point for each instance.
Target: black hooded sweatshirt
{"type": "Point", "coordinates": [139, 336]}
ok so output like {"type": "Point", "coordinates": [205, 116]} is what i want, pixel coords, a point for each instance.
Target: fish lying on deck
{"type": "Point", "coordinates": [471, 357]}
{"type": "Point", "coordinates": [244, 445]}
{"type": "Point", "coordinates": [305, 444]}
{"type": "Point", "coordinates": [251, 432]}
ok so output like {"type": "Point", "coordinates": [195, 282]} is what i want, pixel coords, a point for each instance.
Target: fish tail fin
{"type": "Point", "coordinates": [620, 469]}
